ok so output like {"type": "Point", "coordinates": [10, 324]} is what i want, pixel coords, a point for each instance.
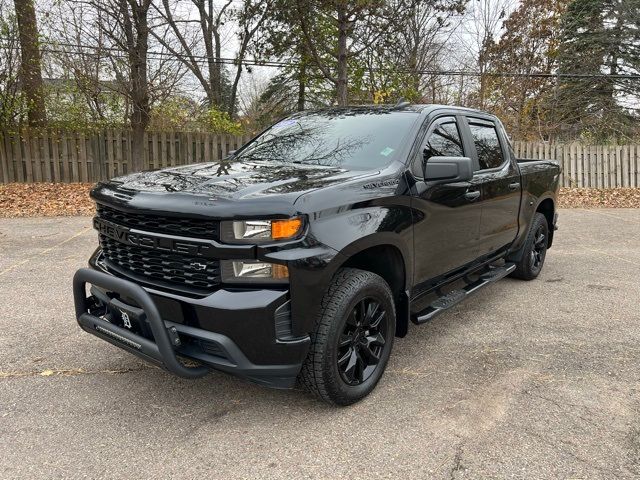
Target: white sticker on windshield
{"type": "Point", "coordinates": [387, 151]}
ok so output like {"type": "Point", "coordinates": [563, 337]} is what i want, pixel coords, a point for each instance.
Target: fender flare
{"type": "Point", "coordinates": [516, 255]}
{"type": "Point", "coordinates": [380, 239]}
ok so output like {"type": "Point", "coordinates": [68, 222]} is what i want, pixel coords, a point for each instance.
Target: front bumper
{"type": "Point", "coordinates": [245, 332]}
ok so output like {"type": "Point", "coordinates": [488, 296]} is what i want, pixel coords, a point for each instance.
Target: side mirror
{"type": "Point", "coordinates": [231, 153]}
{"type": "Point", "coordinates": [447, 169]}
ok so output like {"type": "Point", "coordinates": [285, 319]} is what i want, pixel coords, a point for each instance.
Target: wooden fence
{"type": "Point", "coordinates": [60, 156]}
{"type": "Point", "coordinates": [593, 166]}
{"type": "Point", "coordinates": [63, 156]}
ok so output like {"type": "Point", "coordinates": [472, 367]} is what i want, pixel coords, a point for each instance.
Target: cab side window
{"type": "Point", "coordinates": [485, 138]}
{"type": "Point", "coordinates": [444, 141]}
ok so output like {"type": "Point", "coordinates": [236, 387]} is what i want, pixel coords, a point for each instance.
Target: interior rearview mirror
{"type": "Point", "coordinates": [447, 169]}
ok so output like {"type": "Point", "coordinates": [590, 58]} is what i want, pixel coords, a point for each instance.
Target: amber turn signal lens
{"type": "Point", "coordinates": [279, 272]}
{"type": "Point", "coordinates": [283, 229]}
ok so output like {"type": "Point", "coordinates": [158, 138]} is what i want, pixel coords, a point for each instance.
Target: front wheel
{"type": "Point", "coordinates": [535, 249]}
{"type": "Point", "coordinates": [352, 342]}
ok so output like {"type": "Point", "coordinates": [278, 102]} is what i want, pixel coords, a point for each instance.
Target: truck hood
{"type": "Point", "coordinates": [222, 190]}
{"type": "Point", "coordinates": [236, 180]}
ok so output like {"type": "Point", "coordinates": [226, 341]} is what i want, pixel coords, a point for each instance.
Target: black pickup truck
{"type": "Point", "coordinates": [302, 255]}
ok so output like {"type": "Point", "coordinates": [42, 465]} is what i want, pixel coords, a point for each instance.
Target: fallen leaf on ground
{"type": "Point", "coordinates": [72, 199]}
{"type": "Point", "coordinates": [45, 199]}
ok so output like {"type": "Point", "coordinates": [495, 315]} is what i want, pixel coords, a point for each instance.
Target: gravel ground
{"type": "Point", "coordinates": [524, 380]}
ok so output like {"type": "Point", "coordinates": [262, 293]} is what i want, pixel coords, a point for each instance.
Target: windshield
{"type": "Point", "coordinates": [351, 139]}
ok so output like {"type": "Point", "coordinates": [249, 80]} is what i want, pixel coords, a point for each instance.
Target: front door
{"type": "Point", "coordinates": [447, 215]}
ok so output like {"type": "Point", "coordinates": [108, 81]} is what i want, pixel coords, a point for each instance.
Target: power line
{"type": "Point", "coordinates": [280, 64]}
{"type": "Point", "coordinates": [120, 53]}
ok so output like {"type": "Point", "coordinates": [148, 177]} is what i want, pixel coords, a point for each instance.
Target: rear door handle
{"type": "Point", "coordinates": [471, 196]}
{"type": "Point", "coordinates": [514, 186]}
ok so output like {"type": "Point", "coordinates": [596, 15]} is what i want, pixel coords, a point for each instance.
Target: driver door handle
{"type": "Point", "coordinates": [514, 186]}
{"type": "Point", "coordinates": [472, 195]}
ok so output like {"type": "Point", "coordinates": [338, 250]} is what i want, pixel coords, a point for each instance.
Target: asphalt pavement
{"type": "Point", "coordinates": [528, 380]}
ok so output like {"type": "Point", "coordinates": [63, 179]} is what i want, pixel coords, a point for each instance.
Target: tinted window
{"type": "Point", "coordinates": [354, 139]}
{"type": "Point", "coordinates": [444, 141]}
{"type": "Point", "coordinates": [487, 144]}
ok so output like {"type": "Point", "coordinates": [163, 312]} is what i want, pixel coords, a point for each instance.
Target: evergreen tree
{"type": "Point", "coordinates": [601, 38]}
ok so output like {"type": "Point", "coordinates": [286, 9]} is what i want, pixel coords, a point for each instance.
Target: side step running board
{"type": "Point", "coordinates": [456, 296]}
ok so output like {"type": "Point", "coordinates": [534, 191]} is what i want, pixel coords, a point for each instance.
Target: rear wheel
{"type": "Point", "coordinates": [535, 249]}
{"type": "Point", "coordinates": [352, 342]}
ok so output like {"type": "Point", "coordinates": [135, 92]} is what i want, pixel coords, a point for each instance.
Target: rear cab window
{"type": "Point", "coordinates": [487, 143]}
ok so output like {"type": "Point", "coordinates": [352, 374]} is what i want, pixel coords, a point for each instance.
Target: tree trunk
{"type": "Point", "coordinates": [482, 64]}
{"type": "Point", "coordinates": [302, 84]}
{"type": "Point", "coordinates": [30, 67]}
{"type": "Point", "coordinates": [614, 53]}
{"type": "Point", "coordinates": [342, 92]}
{"type": "Point", "coordinates": [140, 111]}
{"type": "Point", "coordinates": [215, 73]}
{"type": "Point", "coordinates": [137, 147]}
{"type": "Point", "coordinates": [481, 94]}
{"type": "Point", "coordinates": [413, 68]}
{"type": "Point", "coordinates": [231, 106]}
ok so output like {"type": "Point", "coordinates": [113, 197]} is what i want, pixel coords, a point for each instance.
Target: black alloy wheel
{"type": "Point", "coordinates": [539, 249]}
{"type": "Point", "coordinates": [353, 338]}
{"type": "Point", "coordinates": [362, 342]}
{"type": "Point", "coordinates": [530, 262]}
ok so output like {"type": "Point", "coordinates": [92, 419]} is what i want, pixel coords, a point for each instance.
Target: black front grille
{"type": "Point", "coordinates": [179, 226]}
{"type": "Point", "coordinates": [167, 270]}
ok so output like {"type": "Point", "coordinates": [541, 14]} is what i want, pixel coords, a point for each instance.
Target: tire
{"type": "Point", "coordinates": [534, 250]}
{"type": "Point", "coordinates": [341, 366]}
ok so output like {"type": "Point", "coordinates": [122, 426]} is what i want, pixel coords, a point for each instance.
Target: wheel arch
{"type": "Point", "coordinates": [389, 262]}
{"type": "Point", "coordinates": [547, 207]}
{"type": "Point", "coordinates": [531, 205]}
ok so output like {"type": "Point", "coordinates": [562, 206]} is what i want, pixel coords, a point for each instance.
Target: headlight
{"type": "Point", "coordinates": [243, 271]}
{"type": "Point", "coordinates": [260, 231]}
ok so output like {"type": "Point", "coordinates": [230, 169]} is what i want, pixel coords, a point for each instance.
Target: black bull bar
{"type": "Point", "coordinates": [160, 352]}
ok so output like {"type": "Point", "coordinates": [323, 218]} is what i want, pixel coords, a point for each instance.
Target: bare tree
{"type": "Point", "coordinates": [421, 36]}
{"type": "Point", "coordinates": [190, 34]}
{"type": "Point", "coordinates": [125, 23]}
{"type": "Point", "coordinates": [91, 47]}
{"type": "Point", "coordinates": [30, 62]}
{"type": "Point", "coordinates": [250, 18]}
{"type": "Point", "coordinates": [80, 57]}
{"type": "Point", "coordinates": [198, 42]}
{"type": "Point", "coordinates": [416, 44]}
{"type": "Point", "coordinates": [485, 18]}
{"type": "Point", "coordinates": [106, 48]}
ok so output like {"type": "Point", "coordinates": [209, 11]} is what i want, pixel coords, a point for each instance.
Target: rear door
{"type": "Point", "coordinates": [499, 179]}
